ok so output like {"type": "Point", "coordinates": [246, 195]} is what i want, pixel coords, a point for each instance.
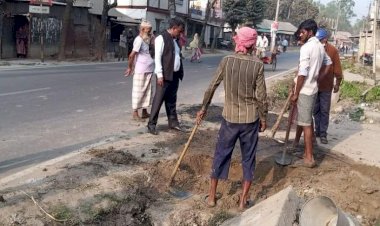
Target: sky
{"type": "Point", "coordinates": [360, 9]}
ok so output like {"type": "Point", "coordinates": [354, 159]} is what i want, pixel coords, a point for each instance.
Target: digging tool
{"type": "Point", "coordinates": [285, 159]}
{"type": "Point", "coordinates": [176, 192]}
{"type": "Point", "coordinates": [277, 124]}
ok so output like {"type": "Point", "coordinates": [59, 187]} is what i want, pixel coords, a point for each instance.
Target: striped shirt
{"type": "Point", "coordinates": [244, 86]}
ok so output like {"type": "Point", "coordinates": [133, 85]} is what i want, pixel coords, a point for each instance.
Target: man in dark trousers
{"type": "Point", "coordinates": [244, 113]}
{"type": "Point", "coordinates": [169, 70]}
{"type": "Point", "coordinates": [325, 87]}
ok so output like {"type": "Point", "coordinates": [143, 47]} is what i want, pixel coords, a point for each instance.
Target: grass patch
{"type": "Point", "coordinates": [373, 94]}
{"type": "Point", "coordinates": [281, 89]}
{"type": "Point", "coordinates": [352, 90]}
{"type": "Point", "coordinates": [65, 213]}
{"type": "Point", "coordinates": [219, 218]}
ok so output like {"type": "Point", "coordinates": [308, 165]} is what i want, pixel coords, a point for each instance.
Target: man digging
{"type": "Point", "coordinates": [244, 112]}
{"type": "Point", "coordinates": [312, 57]}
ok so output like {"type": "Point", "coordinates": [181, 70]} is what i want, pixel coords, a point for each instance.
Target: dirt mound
{"type": "Point", "coordinates": [114, 156]}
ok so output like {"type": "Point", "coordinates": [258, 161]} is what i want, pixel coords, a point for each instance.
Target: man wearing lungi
{"type": "Point", "coordinates": [169, 71]}
{"type": "Point", "coordinates": [325, 87]}
{"type": "Point", "coordinates": [244, 112]}
{"type": "Point", "coordinates": [312, 57]}
{"type": "Point", "coordinates": [142, 64]}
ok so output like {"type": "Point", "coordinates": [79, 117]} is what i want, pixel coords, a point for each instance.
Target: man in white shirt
{"type": "Point", "coordinates": [261, 44]}
{"type": "Point", "coordinates": [314, 65]}
{"type": "Point", "coordinates": [169, 71]}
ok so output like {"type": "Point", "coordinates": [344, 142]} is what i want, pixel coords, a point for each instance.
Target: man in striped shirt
{"type": "Point", "coordinates": [244, 112]}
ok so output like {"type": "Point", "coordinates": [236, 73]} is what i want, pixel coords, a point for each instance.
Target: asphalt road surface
{"type": "Point", "coordinates": [48, 112]}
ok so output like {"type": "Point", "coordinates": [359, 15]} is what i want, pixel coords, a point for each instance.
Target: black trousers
{"type": "Point", "coordinates": [168, 94]}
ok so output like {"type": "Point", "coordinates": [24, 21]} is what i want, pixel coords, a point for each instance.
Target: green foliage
{"type": "Point", "coordinates": [345, 9]}
{"type": "Point", "coordinates": [219, 218]}
{"type": "Point", "coordinates": [352, 90]}
{"type": "Point", "coordinates": [243, 11]}
{"type": "Point", "coordinates": [63, 212]}
{"type": "Point", "coordinates": [293, 11]}
{"type": "Point", "coordinates": [373, 94]}
{"type": "Point", "coordinates": [281, 89]}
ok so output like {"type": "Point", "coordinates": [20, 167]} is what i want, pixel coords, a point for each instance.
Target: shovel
{"type": "Point", "coordinates": [175, 191]}
{"type": "Point", "coordinates": [285, 159]}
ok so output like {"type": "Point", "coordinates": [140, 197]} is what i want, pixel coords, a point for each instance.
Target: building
{"type": "Point", "coordinates": [21, 29]}
{"type": "Point", "coordinates": [285, 30]}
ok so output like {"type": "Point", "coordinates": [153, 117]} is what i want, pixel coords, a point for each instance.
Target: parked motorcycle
{"type": "Point", "coordinates": [367, 59]}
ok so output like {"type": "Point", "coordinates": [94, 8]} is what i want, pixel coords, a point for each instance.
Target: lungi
{"type": "Point", "coordinates": [142, 90]}
{"type": "Point", "coordinates": [248, 135]}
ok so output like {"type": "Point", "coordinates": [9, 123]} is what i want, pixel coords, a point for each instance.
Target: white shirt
{"type": "Point", "coordinates": [262, 42]}
{"type": "Point", "coordinates": [159, 49]}
{"type": "Point", "coordinates": [312, 57]}
{"type": "Point", "coordinates": [284, 42]}
{"type": "Point", "coordinates": [144, 62]}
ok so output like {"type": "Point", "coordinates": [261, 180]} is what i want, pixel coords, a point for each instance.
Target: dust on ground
{"type": "Point", "coordinates": [127, 183]}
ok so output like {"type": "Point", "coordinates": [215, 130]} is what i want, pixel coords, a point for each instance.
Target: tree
{"type": "Point", "coordinates": [210, 5]}
{"type": "Point", "coordinates": [345, 10]}
{"type": "Point", "coordinates": [101, 47]}
{"type": "Point", "coordinates": [243, 11]}
{"type": "Point", "coordinates": [65, 29]}
{"type": "Point", "coordinates": [293, 11]}
{"type": "Point", "coordinates": [2, 12]}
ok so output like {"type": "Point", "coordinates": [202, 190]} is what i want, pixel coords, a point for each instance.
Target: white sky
{"type": "Point", "coordinates": [360, 9]}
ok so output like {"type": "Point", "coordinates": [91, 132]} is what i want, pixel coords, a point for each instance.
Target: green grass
{"type": "Point", "coordinates": [373, 94]}
{"type": "Point", "coordinates": [281, 88]}
{"type": "Point", "coordinates": [352, 90]}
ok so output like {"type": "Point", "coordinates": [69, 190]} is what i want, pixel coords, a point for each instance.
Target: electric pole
{"type": "Point", "coordinates": [274, 28]}
{"type": "Point", "coordinates": [374, 37]}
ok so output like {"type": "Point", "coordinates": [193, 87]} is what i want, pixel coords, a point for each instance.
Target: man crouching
{"type": "Point", "coordinates": [244, 112]}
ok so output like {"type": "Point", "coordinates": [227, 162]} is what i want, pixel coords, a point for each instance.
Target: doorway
{"type": "Point", "coordinates": [21, 36]}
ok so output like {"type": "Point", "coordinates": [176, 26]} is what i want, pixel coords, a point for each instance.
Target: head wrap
{"type": "Point", "coordinates": [244, 39]}
{"type": "Point", "coordinates": [145, 23]}
{"type": "Point", "coordinates": [321, 34]}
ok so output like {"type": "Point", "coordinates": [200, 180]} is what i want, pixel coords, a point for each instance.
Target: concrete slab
{"type": "Point", "coordinates": [278, 210]}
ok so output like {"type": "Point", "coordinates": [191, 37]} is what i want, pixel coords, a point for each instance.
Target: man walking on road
{"type": "Point", "coordinates": [141, 64]}
{"type": "Point", "coordinates": [169, 70]}
{"type": "Point", "coordinates": [326, 87]}
{"type": "Point", "coordinates": [122, 45]}
{"type": "Point", "coordinates": [244, 113]}
{"type": "Point", "coordinates": [312, 57]}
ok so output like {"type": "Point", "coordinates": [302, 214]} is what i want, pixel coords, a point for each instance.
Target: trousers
{"type": "Point", "coordinates": [322, 113]}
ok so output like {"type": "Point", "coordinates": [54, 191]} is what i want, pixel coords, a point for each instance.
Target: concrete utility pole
{"type": "Point", "coordinates": [273, 33]}
{"type": "Point", "coordinates": [337, 19]}
{"type": "Point", "coordinates": [374, 37]}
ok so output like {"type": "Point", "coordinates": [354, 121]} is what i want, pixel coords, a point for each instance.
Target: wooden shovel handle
{"type": "Point", "coordinates": [183, 153]}
{"type": "Point", "coordinates": [277, 124]}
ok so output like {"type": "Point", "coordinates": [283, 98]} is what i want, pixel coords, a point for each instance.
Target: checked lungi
{"type": "Point", "coordinates": [229, 133]}
{"type": "Point", "coordinates": [142, 90]}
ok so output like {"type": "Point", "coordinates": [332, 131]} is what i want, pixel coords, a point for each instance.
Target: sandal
{"type": "Point", "coordinates": [302, 163]}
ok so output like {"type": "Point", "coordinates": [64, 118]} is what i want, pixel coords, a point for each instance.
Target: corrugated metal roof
{"type": "Point", "coordinates": [283, 27]}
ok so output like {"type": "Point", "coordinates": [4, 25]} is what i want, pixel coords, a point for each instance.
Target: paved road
{"type": "Point", "coordinates": [47, 112]}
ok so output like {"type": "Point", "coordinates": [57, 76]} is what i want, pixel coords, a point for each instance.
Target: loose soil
{"type": "Point", "coordinates": [127, 184]}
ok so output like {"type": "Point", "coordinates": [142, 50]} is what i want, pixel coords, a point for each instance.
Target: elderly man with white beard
{"type": "Point", "coordinates": [141, 65]}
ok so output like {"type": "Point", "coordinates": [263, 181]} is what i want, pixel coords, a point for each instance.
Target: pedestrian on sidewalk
{"type": "Point", "coordinates": [244, 113]}
{"type": "Point", "coordinates": [141, 64]}
{"type": "Point", "coordinates": [169, 70]}
{"type": "Point", "coordinates": [122, 45]}
{"type": "Point", "coordinates": [326, 87]}
{"type": "Point", "coordinates": [312, 57]}
{"type": "Point", "coordinates": [196, 52]}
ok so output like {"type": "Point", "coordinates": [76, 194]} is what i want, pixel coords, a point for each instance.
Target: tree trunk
{"type": "Point", "coordinates": [65, 29]}
{"type": "Point", "coordinates": [101, 50]}
{"type": "Point", "coordinates": [210, 5]}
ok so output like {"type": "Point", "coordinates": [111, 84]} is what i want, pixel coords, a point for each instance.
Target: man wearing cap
{"type": "Point", "coordinates": [325, 87]}
{"type": "Point", "coordinates": [244, 113]}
